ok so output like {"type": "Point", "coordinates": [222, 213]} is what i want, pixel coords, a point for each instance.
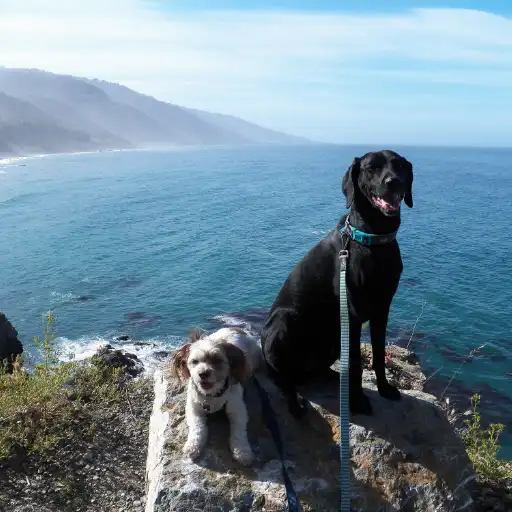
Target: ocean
{"type": "Point", "coordinates": [152, 243]}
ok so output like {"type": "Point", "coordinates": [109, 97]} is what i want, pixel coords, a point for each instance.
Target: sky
{"type": "Point", "coordinates": [353, 72]}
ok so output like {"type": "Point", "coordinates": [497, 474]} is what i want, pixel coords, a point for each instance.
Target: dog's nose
{"type": "Point", "coordinates": [394, 184]}
{"type": "Point", "coordinates": [204, 374]}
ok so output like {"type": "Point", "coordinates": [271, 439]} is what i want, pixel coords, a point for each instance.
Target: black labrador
{"type": "Point", "coordinates": [301, 338]}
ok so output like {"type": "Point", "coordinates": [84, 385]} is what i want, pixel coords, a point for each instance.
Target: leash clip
{"type": "Point", "coordinates": [343, 256]}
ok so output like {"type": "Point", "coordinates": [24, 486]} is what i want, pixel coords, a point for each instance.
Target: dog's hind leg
{"type": "Point", "coordinates": [283, 365]}
{"type": "Point", "coordinates": [297, 404]}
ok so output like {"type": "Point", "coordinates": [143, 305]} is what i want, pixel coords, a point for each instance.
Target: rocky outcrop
{"type": "Point", "coordinates": [10, 345]}
{"type": "Point", "coordinates": [406, 457]}
{"type": "Point", "coordinates": [116, 358]}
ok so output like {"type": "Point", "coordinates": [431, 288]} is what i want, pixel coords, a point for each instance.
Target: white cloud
{"type": "Point", "coordinates": [289, 70]}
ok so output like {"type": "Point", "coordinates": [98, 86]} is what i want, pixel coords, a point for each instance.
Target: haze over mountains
{"type": "Point", "coordinates": [42, 112]}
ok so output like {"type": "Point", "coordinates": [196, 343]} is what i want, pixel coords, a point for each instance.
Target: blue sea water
{"type": "Point", "coordinates": [151, 244]}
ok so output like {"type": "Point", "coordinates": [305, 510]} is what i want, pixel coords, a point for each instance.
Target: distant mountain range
{"type": "Point", "coordinates": [42, 112]}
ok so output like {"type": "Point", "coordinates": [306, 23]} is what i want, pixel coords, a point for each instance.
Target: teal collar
{"type": "Point", "coordinates": [366, 238]}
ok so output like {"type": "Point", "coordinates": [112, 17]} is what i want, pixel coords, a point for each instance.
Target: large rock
{"type": "Point", "coordinates": [406, 457]}
{"type": "Point", "coordinates": [116, 358]}
{"type": "Point", "coordinates": [10, 345]}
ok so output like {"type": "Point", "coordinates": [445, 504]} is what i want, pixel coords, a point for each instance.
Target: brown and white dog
{"type": "Point", "coordinates": [216, 366]}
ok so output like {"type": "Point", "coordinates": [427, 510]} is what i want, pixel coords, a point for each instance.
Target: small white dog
{"type": "Point", "coordinates": [216, 367]}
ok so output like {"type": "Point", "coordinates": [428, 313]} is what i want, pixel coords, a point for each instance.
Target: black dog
{"type": "Point", "coordinates": [301, 338]}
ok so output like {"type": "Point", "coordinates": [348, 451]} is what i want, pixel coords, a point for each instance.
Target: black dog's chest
{"type": "Point", "coordinates": [373, 274]}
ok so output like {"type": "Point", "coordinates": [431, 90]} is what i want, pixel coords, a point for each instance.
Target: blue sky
{"type": "Point", "coordinates": [370, 72]}
{"type": "Point", "coordinates": [500, 6]}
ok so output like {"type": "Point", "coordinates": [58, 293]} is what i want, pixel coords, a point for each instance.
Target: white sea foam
{"type": "Point", "coordinates": [233, 321]}
{"type": "Point", "coordinates": [152, 353]}
{"type": "Point", "coordinates": [60, 297]}
{"type": "Point", "coordinates": [15, 160]}
{"type": "Point", "coordinates": [320, 232]}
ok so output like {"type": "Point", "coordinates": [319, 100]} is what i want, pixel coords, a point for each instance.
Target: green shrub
{"type": "Point", "coordinates": [483, 446]}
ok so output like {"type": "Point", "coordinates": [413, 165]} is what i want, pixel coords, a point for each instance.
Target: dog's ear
{"type": "Point", "coordinates": [408, 191]}
{"type": "Point", "coordinates": [178, 368]}
{"type": "Point", "coordinates": [237, 362]}
{"type": "Point", "coordinates": [349, 181]}
{"type": "Point", "coordinates": [196, 334]}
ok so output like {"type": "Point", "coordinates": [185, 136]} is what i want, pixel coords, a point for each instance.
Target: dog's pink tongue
{"type": "Point", "coordinates": [384, 204]}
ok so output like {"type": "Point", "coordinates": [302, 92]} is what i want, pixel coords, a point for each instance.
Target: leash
{"type": "Point", "coordinates": [270, 419]}
{"type": "Point", "coordinates": [344, 382]}
{"type": "Point", "coordinates": [366, 239]}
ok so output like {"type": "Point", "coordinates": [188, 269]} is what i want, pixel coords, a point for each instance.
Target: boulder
{"type": "Point", "coordinates": [116, 358]}
{"type": "Point", "coordinates": [10, 345]}
{"type": "Point", "coordinates": [406, 457]}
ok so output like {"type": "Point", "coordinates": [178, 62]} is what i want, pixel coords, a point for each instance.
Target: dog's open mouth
{"type": "Point", "coordinates": [389, 204]}
{"type": "Point", "coordinates": [206, 385]}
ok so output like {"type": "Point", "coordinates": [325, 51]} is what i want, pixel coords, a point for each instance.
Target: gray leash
{"type": "Point", "coordinates": [344, 386]}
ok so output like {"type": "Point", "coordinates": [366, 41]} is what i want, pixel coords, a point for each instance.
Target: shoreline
{"type": "Point", "coordinates": [152, 350]}
{"type": "Point", "coordinates": [110, 457]}
{"type": "Point", "coordinates": [12, 159]}
{"type": "Point", "coordinates": [6, 159]}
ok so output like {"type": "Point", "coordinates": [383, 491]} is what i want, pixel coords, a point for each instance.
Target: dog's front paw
{"type": "Point", "coordinates": [388, 391]}
{"type": "Point", "coordinates": [243, 454]}
{"type": "Point", "coordinates": [360, 404]}
{"type": "Point", "coordinates": [192, 449]}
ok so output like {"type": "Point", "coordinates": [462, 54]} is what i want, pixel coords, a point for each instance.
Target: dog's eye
{"type": "Point", "coordinates": [217, 361]}
{"type": "Point", "coordinates": [194, 362]}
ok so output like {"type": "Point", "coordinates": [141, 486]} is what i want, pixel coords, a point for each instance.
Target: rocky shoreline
{"type": "Point", "coordinates": [102, 465]}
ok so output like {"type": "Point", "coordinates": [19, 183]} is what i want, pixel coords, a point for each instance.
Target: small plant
{"type": "Point", "coordinates": [44, 407]}
{"type": "Point", "coordinates": [50, 354]}
{"type": "Point", "coordinates": [483, 446]}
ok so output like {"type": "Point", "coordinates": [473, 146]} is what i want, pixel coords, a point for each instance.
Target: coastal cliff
{"type": "Point", "coordinates": [80, 436]}
{"type": "Point", "coordinates": [407, 456]}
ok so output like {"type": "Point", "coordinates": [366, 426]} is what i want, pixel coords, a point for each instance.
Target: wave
{"type": "Point", "coordinates": [69, 298]}
{"type": "Point", "coordinates": [15, 160]}
{"type": "Point", "coordinates": [321, 232]}
{"type": "Point", "coordinates": [152, 353]}
{"type": "Point", "coordinates": [232, 321]}
{"type": "Point", "coordinates": [253, 319]}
